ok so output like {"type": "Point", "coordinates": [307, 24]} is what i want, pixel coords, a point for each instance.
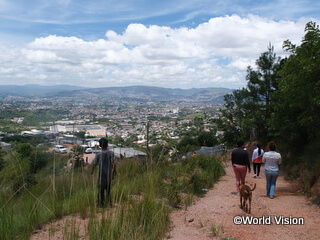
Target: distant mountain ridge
{"type": "Point", "coordinates": [130, 93]}
{"type": "Point", "coordinates": [154, 94]}
{"type": "Point", "coordinates": [34, 89]}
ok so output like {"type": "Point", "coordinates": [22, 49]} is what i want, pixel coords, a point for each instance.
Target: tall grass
{"type": "Point", "coordinates": [143, 194]}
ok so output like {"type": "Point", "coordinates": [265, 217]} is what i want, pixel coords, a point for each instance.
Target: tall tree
{"type": "Point", "coordinates": [261, 84]}
{"type": "Point", "coordinates": [297, 110]}
{"type": "Point", "coordinates": [247, 110]}
{"type": "Point", "coordinates": [233, 120]}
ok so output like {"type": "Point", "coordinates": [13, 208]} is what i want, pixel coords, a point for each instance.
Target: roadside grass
{"type": "Point", "coordinates": [143, 194]}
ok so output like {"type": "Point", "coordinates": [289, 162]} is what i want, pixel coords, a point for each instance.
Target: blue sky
{"type": "Point", "coordinates": [183, 44]}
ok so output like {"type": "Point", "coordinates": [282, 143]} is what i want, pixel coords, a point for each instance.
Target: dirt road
{"type": "Point", "coordinates": [212, 217]}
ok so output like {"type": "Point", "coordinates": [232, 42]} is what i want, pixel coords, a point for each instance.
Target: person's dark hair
{"type": "Point", "coordinates": [240, 143]}
{"type": "Point", "coordinates": [272, 146]}
{"type": "Point", "coordinates": [259, 148]}
{"type": "Point", "coordinates": [103, 142]}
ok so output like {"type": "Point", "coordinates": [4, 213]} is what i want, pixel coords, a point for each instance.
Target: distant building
{"type": "Point", "coordinates": [90, 130]}
{"type": "Point", "coordinates": [18, 120]}
{"type": "Point", "coordinates": [31, 133]}
{"type": "Point", "coordinates": [128, 153]}
{"type": "Point", "coordinates": [126, 126]}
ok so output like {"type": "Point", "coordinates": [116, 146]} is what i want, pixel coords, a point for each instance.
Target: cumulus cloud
{"type": "Point", "coordinates": [215, 53]}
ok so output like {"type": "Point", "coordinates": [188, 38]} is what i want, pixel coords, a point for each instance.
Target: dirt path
{"type": "Point", "coordinates": [212, 217]}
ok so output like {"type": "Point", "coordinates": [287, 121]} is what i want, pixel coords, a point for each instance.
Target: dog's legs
{"type": "Point", "coordinates": [249, 205]}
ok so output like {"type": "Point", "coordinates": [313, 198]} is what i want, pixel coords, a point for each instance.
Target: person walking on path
{"type": "Point", "coordinates": [105, 160]}
{"type": "Point", "coordinates": [240, 162]}
{"type": "Point", "coordinates": [257, 160]}
{"type": "Point", "coordinates": [272, 160]}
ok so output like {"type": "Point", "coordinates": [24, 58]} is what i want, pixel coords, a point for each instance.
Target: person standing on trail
{"type": "Point", "coordinates": [240, 163]}
{"type": "Point", "coordinates": [105, 160]}
{"type": "Point", "coordinates": [272, 160]}
{"type": "Point", "coordinates": [257, 160]}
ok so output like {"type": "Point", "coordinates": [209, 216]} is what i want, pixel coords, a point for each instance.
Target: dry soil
{"type": "Point", "coordinates": [212, 217]}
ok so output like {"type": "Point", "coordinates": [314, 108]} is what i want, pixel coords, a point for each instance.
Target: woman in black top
{"type": "Point", "coordinates": [240, 163]}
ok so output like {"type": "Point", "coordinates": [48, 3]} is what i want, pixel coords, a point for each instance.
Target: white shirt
{"type": "Point", "coordinates": [272, 161]}
{"type": "Point", "coordinates": [255, 154]}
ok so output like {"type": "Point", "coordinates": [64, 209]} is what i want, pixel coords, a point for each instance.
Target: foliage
{"type": "Point", "coordinates": [76, 154]}
{"type": "Point", "coordinates": [158, 153]}
{"type": "Point", "coordinates": [24, 149]}
{"type": "Point", "coordinates": [297, 109]}
{"type": "Point", "coordinates": [193, 143]}
{"type": "Point", "coordinates": [187, 144]}
{"type": "Point", "coordinates": [247, 110]}
{"type": "Point", "coordinates": [2, 154]}
{"type": "Point", "coordinates": [118, 140]}
{"type": "Point", "coordinates": [38, 160]}
{"type": "Point", "coordinates": [33, 140]}
{"type": "Point", "coordinates": [80, 135]}
{"type": "Point", "coordinates": [207, 139]}
{"type": "Point", "coordinates": [190, 176]}
{"type": "Point", "coordinates": [33, 118]}
{"type": "Point", "coordinates": [8, 126]}
{"type": "Point", "coordinates": [139, 192]}
{"type": "Point", "coordinates": [282, 103]}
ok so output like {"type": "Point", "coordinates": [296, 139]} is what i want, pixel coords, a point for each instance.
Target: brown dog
{"type": "Point", "coordinates": [245, 195]}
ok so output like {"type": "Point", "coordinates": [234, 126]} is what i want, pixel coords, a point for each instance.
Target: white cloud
{"type": "Point", "coordinates": [214, 53]}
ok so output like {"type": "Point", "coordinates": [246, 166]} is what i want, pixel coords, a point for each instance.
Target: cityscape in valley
{"type": "Point", "coordinates": [130, 116]}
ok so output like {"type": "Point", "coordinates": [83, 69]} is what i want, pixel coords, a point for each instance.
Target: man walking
{"type": "Point", "coordinates": [105, 160]}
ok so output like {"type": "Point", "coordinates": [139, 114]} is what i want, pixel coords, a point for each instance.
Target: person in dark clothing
{"type": "Point", "coordinates": [240, 163]}
{"type": "Point", "coordinates": [105, 160]}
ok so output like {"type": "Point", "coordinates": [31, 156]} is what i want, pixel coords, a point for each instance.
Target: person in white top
{"type": "Point", "coordinates": [257, 160]}
{"type": "Point", "coordinates": [272, 160]}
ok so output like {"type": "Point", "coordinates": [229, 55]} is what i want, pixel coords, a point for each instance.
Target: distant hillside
{"type": "Point", "coordinates": [131, 93]}
{"type": "Point", "coordinates": [34, 89]}
{"type": "Point", "coordinates": [155, 94]}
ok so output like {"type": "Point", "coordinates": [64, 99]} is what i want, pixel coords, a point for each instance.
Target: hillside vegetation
{"type": "Point", "coordinates": [37, 187]}
{"type": "Point", "coordinates": [282, 103]}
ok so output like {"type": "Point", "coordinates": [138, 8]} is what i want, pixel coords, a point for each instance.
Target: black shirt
{"type": "Point", "coordinates": [241, 157]}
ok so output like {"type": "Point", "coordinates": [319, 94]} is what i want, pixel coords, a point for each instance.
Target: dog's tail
{"type": "Point", "coordinates": [254, 187]}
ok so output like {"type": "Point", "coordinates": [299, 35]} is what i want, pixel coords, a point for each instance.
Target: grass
{"type": "Point", "coordinates": [217, 230]}
{"type": "Point", "coordinates": [143, 193]}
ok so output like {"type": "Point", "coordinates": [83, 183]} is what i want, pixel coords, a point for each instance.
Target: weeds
{"type": "Point", "coordinates": [217, 230]}
{"type": "Point", "coordinates": [142, 193]}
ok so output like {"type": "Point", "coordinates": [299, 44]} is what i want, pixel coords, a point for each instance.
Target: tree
{"type": "Point", "coordinates": [247, 110]}
{"type": "Point", "coordinates": [24, 149]}
{"type": "Point", "coordinates": [187, 144]}
{"type": "Point", "coordinates": [207, 139]}
{"type": "Point", "coordinates": [296, 116]}
{"type": "Point", "coordinates": [233, 120]}
{"type": "Point", "coordinates": [80, 134]}
{"type": "Point", "coordinates": [262, 83]}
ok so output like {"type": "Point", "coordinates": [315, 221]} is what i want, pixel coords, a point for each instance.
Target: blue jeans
{"type": "Point", "coordinates": [271, 177]}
